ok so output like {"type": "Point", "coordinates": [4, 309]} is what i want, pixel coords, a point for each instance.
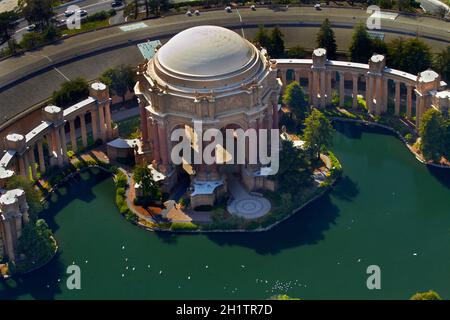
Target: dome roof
{"type": "Point", "coordinates": [206, 51]}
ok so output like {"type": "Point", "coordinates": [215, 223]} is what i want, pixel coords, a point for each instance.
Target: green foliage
{"type": "Point", "coordinates": [379, 46]}
{"type": "Point", "coordinates": [283, 297]}
{"type": "Point", "coordinates": [410, 55]}
{"type": "Point", "coordinates": [360, 47]}
{"type": "Point", "coordinates": [294, 98]}
{"type": "Point", "coordinates": [318, 133]}
{"type": "Point", "coordinates": [433, 133]}
{"type": "Point", "coordinates": [277, 43]}
{"type": "Point", "coordinates": [38, 12]}
{"type": "Point", "coordinates": [297, 52]}
{"type": "Point", "coordinates": [183, 226]}
{"type": "Point", "coordinates": [427, 295]}
{"type": "Point", "coordinates": [36, 244]}
{"type": "Point", "coordinates": [32, 194]}
{"type": "Point", "coordinates": [274, 44]}
{"type": "Point", "coordinates": [51, 33]}
{"type": "Point", "coordinates": [120, 179]}
{"type": "Point", "coordinates": [326, 39]}
{"type": "Point", "coordinates": [71, 92]}
{"type": "Point", "coordinates": [7, 24]}
{"type": "Point", "coordinates": [31, 40]}
{"type": "Point", "coordinates": [150, 189]}
{"type": "Point", "coordinates": [441, 64]}
{"type": "Point", "coordinates": [120, 79]}
{"type": "Point", "coordinates": [295, 170]}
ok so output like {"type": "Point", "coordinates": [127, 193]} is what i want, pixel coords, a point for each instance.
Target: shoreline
{"type": "Point", "coordinates": [379, 125]}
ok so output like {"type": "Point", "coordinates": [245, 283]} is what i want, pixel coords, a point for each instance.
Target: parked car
{"type": "Point", "coordinates": [68, 13]}
{"type": "Point", "coordinates": [82, 13]}
{"type": "Point", "coordinates": [189, 13]}
{"type": "Point", "coordinates": [228, 9]}
{"type": "Point", "coordinates": [197, 13]}
{"type": "Point", "coordinates": [116, 4]}
{"type": "Point", "coordinates": [31, 27]}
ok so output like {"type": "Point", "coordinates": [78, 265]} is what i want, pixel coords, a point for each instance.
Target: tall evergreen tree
{"type": "Point", "coordinates": [411, 55]}
{"type": "Point", "coordinates": [294, 98]}
{"type": "Point", "coordinates": [442, 63]}
{"type": "Point", "coordinates": [361, 45]}
{"type": "Point", "coordinates": [262, 39]}
{"type": "Point", "coordinates": [318, 133]}
{"type": "Point", "coordinates": [277, 43]}
{"type": "Point", "coordinates": [326, 39]}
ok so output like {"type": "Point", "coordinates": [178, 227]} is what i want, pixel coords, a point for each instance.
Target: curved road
{"type": "Point", "coordinates": [87, 55]}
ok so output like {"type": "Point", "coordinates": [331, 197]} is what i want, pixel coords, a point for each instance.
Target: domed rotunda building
{"type": "Point", "coordinates": [211, 75]}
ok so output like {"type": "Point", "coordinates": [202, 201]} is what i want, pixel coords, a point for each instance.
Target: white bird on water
{"type": "Point", "coordinates": [160, 271]}
{"type": "Point", "coordinates": [123, 247]}
{"type": "Point", "coordinates": [189, 277]}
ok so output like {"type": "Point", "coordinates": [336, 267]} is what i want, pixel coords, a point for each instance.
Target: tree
{"type": "Point", "coordinates": [411, 55]}
{"type": "Point", "coordinates": [32, 194]}
{"type": "Point", "coordinates": [379, 46]}
{"type": "Point", "coordinates": [263, 40]}
{"type": "Point", "coordinates": [277, 43]}
{"type": "Point", "coordinates": [143, 176]}
{"type": "Point", "coordinates": [38, 12]}
{"type": "Point", "coordinates": [326, 39]}
{"type": "Point", "coordinates": [120, 79]}
{"type": "Point", "coordinates": [7, 24]}
{"type": "Point", "coordinates": [71, 92]}
{"type": "Point", "coordinates": [36, 242]}
{"type": "Point", "coordinates": [296, 52]}
{"type": "Point", "coordinates": [295, 170]}
{"type": "Point", "coordinates": [428, 295]}
{"type": "Point", "coordinates": [360, 47]}
{"type": "Point", "coordinates": [31, 40]}
{"type": "Point", "coordinates": [294, 98]}
{"type": "Point", "coordinates": [442, 63]}
{"type": "Point", "coordinates": [318, 133]}
{"type": "Point", "coordinates": [432, 132]}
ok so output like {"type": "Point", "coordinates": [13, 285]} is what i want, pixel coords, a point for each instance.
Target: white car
{"type": "Point", "coordinates": [317, 6]}
{"type": "Point", "coordinates": [189, 13]}
{"type": "Point", "coordinates": [31, 27]}
{"type": "Point", "coordinates": [228, 9]}
{"type": "Point", "coordinates": [68, 13]}
{"type": "Point", "coordinates": [253, 7]}
{"type": "Point", "coordinates": [197, 13]}
{"type": "Point", "coordinates": [82, 13]}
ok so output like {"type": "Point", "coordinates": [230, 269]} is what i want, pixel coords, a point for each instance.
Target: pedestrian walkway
{"type": "Point", "coordinates": [244, 204]}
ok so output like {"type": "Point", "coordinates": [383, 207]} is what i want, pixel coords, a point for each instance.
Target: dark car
{"type": "Point", "coordinates": [116, 4]}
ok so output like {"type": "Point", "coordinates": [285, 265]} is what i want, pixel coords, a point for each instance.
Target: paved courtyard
{"type": "Point", "coordinates": [244, 204]}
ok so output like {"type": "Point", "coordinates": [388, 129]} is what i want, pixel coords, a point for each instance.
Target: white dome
{"type": "Point", "coordinates": [205, 51]}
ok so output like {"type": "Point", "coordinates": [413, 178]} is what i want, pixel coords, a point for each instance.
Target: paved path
{"type": "Point", "coordinates": [244, 204]}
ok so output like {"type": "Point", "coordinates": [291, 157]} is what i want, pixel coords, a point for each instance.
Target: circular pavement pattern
{"type": "Point", "coordinates": [250, 208]}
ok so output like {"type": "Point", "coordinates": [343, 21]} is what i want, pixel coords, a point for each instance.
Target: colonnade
{"type": "Point", "coordinates": [375, 76]}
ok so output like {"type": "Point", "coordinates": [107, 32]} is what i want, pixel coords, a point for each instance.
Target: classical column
{"type": "Point", "coordinates": [18, 225]}
{"type": "Point", "coordinates": [108, 120]}
{"type": "Point", "coordinates": [56, 137]}
{"type": "Point", "coordinates": [397, 98]}
{"type": "Point", "coordinates": [328, 85]}
{"type": "Point", "coordinates": [369, 88]}
{"type": "Point", "coordinates": [155, 140]}
{"type": "Point", "coordinates": [355, 91]}
{"type": "Point", "coordinates": [102, 122]}
{"type": "Point", "coordinates": [315, 86]}
{"type": "Point", "coordinates": [83, 131]}
{"type": "Point", "coordinates": [163, 142]}
{"type": "Point", "coordinates": [22, 170]}
{"type": "Point", "coordinates": [379, 92]}
{"type": "Point", "coordinates": [63, 144]}
{"type": "Point", "coordinates": [283, 77]}
{"type": "Point", "coordinates": [41, 157]}
{"type": "Point", "coordinates": [341, 89]}
{"type": "Point", "coordinates": [94, 122]}
{"type": "Point", "coordinates": [297, 75]}
{"type": "Point", "coordinates": [323, 84]}
{"type": "Point", "coordinates": [32, 160]}
{"type": "Point", "coordinates": [26, 161]}
{"type": "Point", "coordinates": [144, 122]}
{"type": "Point", "coordinates": [275, 116]}
{"type": "Point", "coordinates": [9, 240]}
{"type": "Point", "coordinates": [310, 86]}
{"type": "Point", "coordinates": [385, 94]}
{"type": "Point", "coordinates": [50, 144]}
{"type": "Point", "coordinates": [408, 101]}
{"type": "Point", "coordinates": [73, 136]}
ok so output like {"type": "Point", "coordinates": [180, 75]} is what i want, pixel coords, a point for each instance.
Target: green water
{"type": "Point", "coordinates": [387, 207]}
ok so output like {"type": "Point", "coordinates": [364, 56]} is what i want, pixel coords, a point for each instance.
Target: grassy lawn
{"type": "Point", "coordinates": [128, 128]}
{"type": "Point", "coordinates": [86, 26]}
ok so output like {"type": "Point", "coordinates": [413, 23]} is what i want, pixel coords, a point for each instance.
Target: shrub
{"type": "Point", "coordinates": [31, 40]}
{"type": "Point", "coordinates": [183, 226]}
{"type": "Point", "coordinates": [121, 180]}
{"type": "Point", "coordinates": [71, 91]}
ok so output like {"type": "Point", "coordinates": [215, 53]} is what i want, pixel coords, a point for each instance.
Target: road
{"type": "Point", "coordinates": [91, 6]}
{"type": "Point", "coordinates": [433, 6]}
{"type": "Point", "coordinates": [88, 55]}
